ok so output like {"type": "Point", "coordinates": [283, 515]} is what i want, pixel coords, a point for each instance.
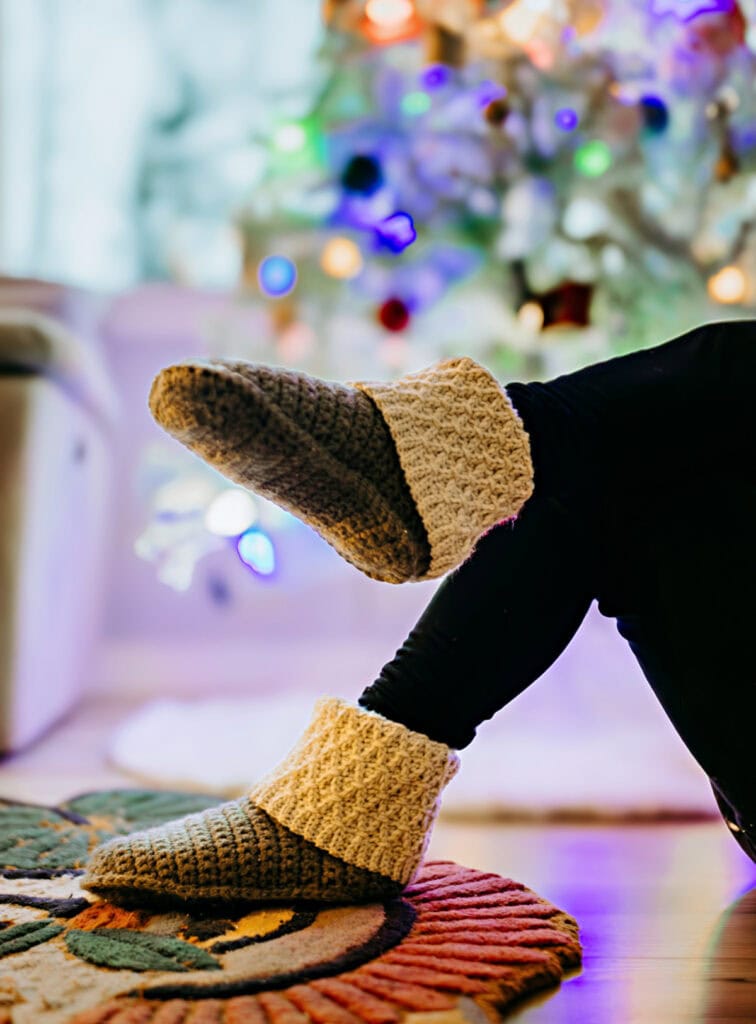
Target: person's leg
{"type": "Point", "coordinates": [496, 624]}
{"type": "Point", "coordinates": [403, 477]}
{"type": "Point", "coordinates": [493, 627]}
{"type": "Point", "coordinates": [684, 597]}
{"type": "Point", "coordinates": [348, 814]}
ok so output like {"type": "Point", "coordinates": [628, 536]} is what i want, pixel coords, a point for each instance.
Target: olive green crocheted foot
{"type": "Point", "coordinates": [232, 852]}
{"type": "Point", "coordinates": [319, 449]}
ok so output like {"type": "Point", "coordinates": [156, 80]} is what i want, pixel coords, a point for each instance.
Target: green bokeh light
{"type": "Point", "coordinates": [415, 103]}
{"type": "Point", "coordinates": [593, 158]}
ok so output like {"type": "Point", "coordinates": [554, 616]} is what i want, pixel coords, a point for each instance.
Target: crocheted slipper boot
{"type": "Point", "coordinates": [319, 449]}
{"type": "Point", "coordinates": [345, 818]}
{"type": "Point", "coordinates": [400, 478]}
{"type": "Point", "coordinates": [232, 852]}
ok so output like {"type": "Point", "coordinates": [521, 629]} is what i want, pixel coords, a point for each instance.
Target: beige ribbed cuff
{"type": "Point", "coordinates": [463, 449]}
{"type": "Point", "coordinates": [360, 787]}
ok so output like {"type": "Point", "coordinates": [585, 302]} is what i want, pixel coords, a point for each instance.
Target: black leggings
{"type": "Point", "coordinates": [645, 505]}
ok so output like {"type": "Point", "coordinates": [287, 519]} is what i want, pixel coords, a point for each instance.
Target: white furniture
{"type": "Point", "coordinates": [55, 415]}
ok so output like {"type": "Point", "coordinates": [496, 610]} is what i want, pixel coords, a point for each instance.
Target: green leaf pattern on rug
{"type": "Point", "coordinates": [23, 936]}
{"type": "Point", "coordinates": [137, 951]}
{"type": "Point", "coordinates": [130, 810]}
{"type": "Point", "coordinates": [33, 838]}
{"type": "Point", "coordinates": [36, 838]}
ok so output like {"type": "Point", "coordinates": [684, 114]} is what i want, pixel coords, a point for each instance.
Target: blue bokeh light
{"type": "Point", "coordinates": [436, 76]}
{"type": "Point", "coordinates": [256, 550]}
{"type": "Point", "coordinates": [397, 232]}
{"type": "Point", "coordinates": [566, 119]}
{"type": "Point", "coordinates": [277, 275]}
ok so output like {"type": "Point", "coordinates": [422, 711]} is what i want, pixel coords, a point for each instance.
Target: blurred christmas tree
{"type": "Point", "coordinates": [536, 183]}
{"type": "Point", "coordinates": [519, 181]}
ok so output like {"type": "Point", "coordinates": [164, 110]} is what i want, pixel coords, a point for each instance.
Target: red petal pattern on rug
{"type": "Point", "coordinates": [476, 935]}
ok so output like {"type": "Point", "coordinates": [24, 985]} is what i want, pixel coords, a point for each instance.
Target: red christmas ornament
{"type": "Point", "coordinates": [570, 303]}
{"type": "Point", "coordinates": [394, 315]}
{"type": "Point", "coordinates": [717, 33]}
{"type": "Point", "coordinates": [496, 112]}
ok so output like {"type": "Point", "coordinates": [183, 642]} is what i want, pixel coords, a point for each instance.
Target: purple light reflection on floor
{"type": "Point", "coordinates": [649, 900]}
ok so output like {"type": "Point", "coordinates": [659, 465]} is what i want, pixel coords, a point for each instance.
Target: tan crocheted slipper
{"type": "Point", "coordinates": [400, 478]}
{"type": "Point", "coordinates": [345, 818]}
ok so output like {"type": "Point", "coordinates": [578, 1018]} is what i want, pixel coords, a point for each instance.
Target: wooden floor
{"type": "Point", "coordinates": [668, 921]}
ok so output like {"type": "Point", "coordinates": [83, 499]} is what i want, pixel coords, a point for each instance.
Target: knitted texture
{"type": "Point", "coordinates": [232, 852]}
{"type": "Point", "coordinates": [464, 452]}
{"type": "Point", "coordinates": [321, 450]}
{"type": "Point", "coordinates": [362, 787]}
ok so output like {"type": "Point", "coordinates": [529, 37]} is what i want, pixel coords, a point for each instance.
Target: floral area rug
{"type": "Point", "coordinates": [459, 946]}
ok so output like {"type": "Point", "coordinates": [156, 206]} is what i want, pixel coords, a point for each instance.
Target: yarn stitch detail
{"type": "Point", "coordinates": [361, 787]}
{"type": "Point", "coordinates": [464, 451]}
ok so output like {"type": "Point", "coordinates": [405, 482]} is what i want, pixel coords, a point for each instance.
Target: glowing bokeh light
{"type": "Point", "coordinates": [593, 158]}
{"type": "Point", "coordinates": [289, 138]}
{"type": "Point", "coordinates": [277, 275]}
{"type": "Point", "coordinates": [257, 552]}
{"type": "Point", "coordinates": [521, 19]}
{"type": "Point", "coordinates": [728, 285]}
{"type": "Point", "coordinates": [585, 217]}
{"type": "Point", "coordinates": [184, 496]}
{"type": "Point", "coordinates": [530, 315]}
{"type": "Point", "coordinates": [397, 232]}
{"type": "Point", "coordinates": [566, 119]}
{"type": "Point", "coordinates": [389, 14]}
{"type": "Point", "coordinates": [436, 76]}
{"type": "Point", "coordinates": [230, 513]}
{"type": "Point", "coordinates": [415, 103]}
{"type": "Point", "coordinates": [341, 258]}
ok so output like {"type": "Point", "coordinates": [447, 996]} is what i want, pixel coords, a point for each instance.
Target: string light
{"type": "Point", "coordinates": [277, 275]}
{"type": "Point", "coordinates": [257, 552]}
{"type": "Point", "coordinates": [566, 119]}
{"type": "Point", "coordinates": [184, 496]}
{"type": "Point", "coordinates": [230, 513]}
{"type": "Point", "coordinates": [521, 19]}
{"type": "Point", "coordinates": [415, 103]}
{"type": "Point", "coordinates": [728, 286]}
{"type": "Point", "coordinates": [436, 76]}
{"type": "Point", "coordinates": [397, 232]}
{"type": "Point", "coordinates": [289, 138]}
{"type": "Point", "coordinates": [530, 315]}
{"type": "Point", "coordinates": [341, 258]}
{"type": "Point", "coordinates": [389, 14]}
{"type": "Point", "coordinates": [584, 217]}
{"type": "Point", "coordinates": [593, 158]}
